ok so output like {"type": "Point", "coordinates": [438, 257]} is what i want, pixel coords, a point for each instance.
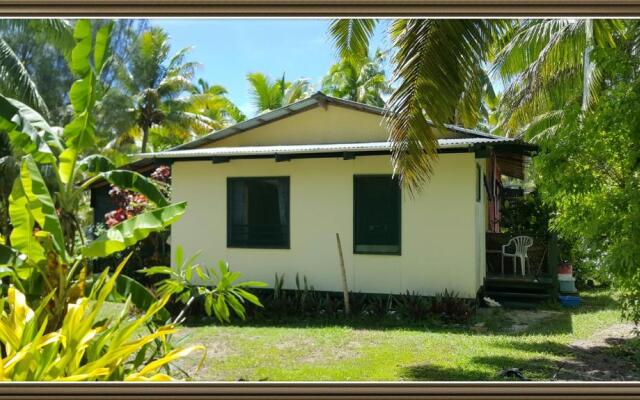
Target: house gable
{"type": "Point", "coordinates": [319, 119]}
{"type": "Point", "coordinates": [318, 125]}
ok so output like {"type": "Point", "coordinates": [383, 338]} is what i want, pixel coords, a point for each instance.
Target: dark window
{"type": "Point", "coordinates": [258, 212]}
{"type": "Point", "coordinates": [376, 215]}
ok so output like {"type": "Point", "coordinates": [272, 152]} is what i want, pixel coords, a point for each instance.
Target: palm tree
{"type": "Point", "coordinates": [212, 102]}
{"type": "Point", "coordinates": [439, 67]}
{"type": "Point", "coordinates": [542, 65]}
{"type": "Point", "coordinates": [269, 95]}
{"type": "Point", "coordinates": [358, 79]}
{"type": "Point", "coordinates": [16, 73]}
{"type": "Point", "coordinates": [158, 91]}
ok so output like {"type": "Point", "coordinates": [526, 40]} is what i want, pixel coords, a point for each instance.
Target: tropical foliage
{"type": "Point", "coordinates": [212, 102]}
{"type": "Point", "coordinates": [442, 68]}
{"type": "Point", "coordinates": [86, 347]}
{"type": "Point", "coordinates": [597, 195]}
{"type": "Point", "coordinates": [49, 250]}
{"type": "Point", "coordinates": [541, 63]}
{"type": "Point", "coordinates": [268, 94]}
{"type": "Point", "coordinates": [218, 289]}
{"type": "Point", "coordinates": [155, 102]}
{"type": "Point", "coordinates": [358, 79]}
{"type": "Point", "coordinates": [32, 62]}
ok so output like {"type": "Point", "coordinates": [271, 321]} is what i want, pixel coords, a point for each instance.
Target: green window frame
{"type": "Point", "coordinates": [377, 215]}
{"type": "Point", "coordinates": [258, 212]}
{"type": "Point", "coordinates": [478, 183]}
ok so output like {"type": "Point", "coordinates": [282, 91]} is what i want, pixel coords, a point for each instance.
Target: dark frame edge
{"type": "Point", "coordinates": [311, 390]}
{"type": "Point", "coordinates": [318, 8]}
{"type": "Point", "coordinates": [337, 390]}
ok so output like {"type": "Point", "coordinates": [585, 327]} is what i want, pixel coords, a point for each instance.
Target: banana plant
{"type": "Point", "coordinates": [86, 347]}
{"type": "Point", "coordinates": [39, 258]}
{"type": "Point", "coordinates": [49, 251]}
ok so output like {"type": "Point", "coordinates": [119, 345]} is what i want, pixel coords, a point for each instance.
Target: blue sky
{"type": "Point", "coordinates": [231, 48]}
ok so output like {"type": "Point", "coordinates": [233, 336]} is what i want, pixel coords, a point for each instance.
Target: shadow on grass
{"type": "Point", "coordinates": [482, 369]}
{"type": "Point", "coordinates": [616, 359]}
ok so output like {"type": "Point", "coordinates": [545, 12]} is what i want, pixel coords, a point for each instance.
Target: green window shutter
{"type": "Point", "coordinates": [377, 213]}
{"type": "Point", "coordinates": [258, 212]}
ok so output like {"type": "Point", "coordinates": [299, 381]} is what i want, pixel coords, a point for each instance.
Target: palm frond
{"type": "Point", "coordinates": [542, 67]}
{"type": "Point", "coordinates": [16, 82]}
{"type": "Point", "coordinates": [178, 59]}
{"type": "Point", "coordinates": [351, 36]}
{"type": "Point", "coordinates": [58, 32]}
{"type": "Point", "coordinates": [266, 95]}
{"type": "Point", "coordinates": [435, 61]}
{"type": "Point", "coordinates": [296, 91]}
{"type": "Point", "coordinates": [175, 85]}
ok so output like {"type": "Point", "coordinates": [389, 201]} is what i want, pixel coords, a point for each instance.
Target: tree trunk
{"type": "Point", "coordinates": [145, 138]}
{"type": "Point", "coordinates": [587, 64]}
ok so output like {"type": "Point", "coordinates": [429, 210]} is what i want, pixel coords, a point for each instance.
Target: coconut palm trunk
{"type": "Point", "coordinates": [145, 138]}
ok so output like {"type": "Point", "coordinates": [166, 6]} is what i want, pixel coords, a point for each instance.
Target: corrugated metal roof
{"type": "Point", "coordinates": [312, 148]}
{"type": "Point", "coordinates": [316, 99]}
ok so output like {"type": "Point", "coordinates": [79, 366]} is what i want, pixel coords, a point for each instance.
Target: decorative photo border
{"type": "Point", "coordinates": [320, 8]}
{"type": "Point", "coordinates": [316, 391]}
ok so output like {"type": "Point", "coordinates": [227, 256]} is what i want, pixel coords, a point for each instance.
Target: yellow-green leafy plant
{"type": "Point", "coordinates": [85, 347]}
{"type": "Point", "coordinates": [220, 292]}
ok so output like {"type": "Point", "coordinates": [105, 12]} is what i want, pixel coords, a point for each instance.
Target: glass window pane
{"type": "Point", "coordinates": [258, 212]}
{"type": "Point", "coordinates": [377, 214]}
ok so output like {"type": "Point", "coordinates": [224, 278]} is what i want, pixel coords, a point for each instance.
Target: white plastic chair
{"type": "Point", "coordinates": [522, 244]}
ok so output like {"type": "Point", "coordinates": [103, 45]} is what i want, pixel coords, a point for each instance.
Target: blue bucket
{"type": "Point", "coordinates": [570, 301]}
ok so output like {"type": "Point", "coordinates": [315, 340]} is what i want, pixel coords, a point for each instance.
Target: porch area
{"type": "Point", "coordinates": [512, 288]}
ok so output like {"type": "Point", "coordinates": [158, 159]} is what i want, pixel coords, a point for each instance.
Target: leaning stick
{"type": "Point", "coordinates": [345, 288]}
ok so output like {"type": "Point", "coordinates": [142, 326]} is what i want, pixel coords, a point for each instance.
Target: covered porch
{"type": "Point", "coordinates": [542, 257]}
{"type": "Point", "coordinates": [512, 288]}
{"type": "Point", "coordinates": [514, 210]}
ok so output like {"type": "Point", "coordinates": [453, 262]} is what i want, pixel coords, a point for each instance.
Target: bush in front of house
{"type": "Point", "coordinates": [450, 307]}
{"type": "Point", "coordinates": [412, 306]}
{"type": "Point", "coordinates": [304, 302]}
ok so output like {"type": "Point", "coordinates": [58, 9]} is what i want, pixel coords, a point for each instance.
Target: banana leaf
{"type": "Point", "coordinates": [131, 231]}
{"type": "Point", "coordinates": [95, 163]}
{"type": "Point", "coordinates": [132, 180]}
{"type": "Point", "coordinates": [29, 131]}
{"type": "Point", "coordinates": [30, 202]}
{"type": "Point", "coordinates": [80, 132]}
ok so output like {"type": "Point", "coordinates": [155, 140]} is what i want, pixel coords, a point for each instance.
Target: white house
{"type": "Point", "coordinates": [269, 195]}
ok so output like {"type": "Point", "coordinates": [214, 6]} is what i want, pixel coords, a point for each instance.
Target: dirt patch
{"type": "Point", "coordinates": [594, 359]}
{"type": "Point", "coordinates": [522, 320]}
{"type": "Point", "coordinates": [344, 351]}
{"type": "Point", "coordinates": [218, 348]}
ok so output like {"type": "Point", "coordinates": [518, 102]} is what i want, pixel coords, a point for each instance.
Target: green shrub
{"type": "Point", "coordinates": [450, 307]}
{"type": "Point", "coordinates": [412, 306]}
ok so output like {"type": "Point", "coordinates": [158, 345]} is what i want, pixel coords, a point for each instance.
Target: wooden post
{"type": "Point", "coordinates": [345, 288]}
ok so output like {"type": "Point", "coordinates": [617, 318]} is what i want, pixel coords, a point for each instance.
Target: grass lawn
{"type": "Point", "coordinates": [536, 342]}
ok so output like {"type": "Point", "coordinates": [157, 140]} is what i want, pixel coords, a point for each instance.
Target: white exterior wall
{"type": "Point", "coordinates": [440, 238]}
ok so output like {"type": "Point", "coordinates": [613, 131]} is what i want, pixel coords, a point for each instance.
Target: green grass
{"type": "Point", "coordinates": [365, 351]}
